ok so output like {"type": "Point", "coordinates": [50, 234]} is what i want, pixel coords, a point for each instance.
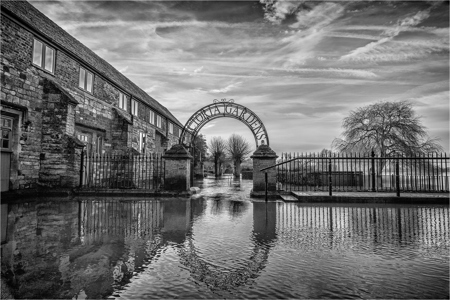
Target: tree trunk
{"type": "Point", "coordinates": [237, 168]}
{"type": "Point", "coordinates": [216, 167]}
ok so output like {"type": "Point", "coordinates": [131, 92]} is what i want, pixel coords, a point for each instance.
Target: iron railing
{"type": "Point", "coordinates": [144, 171]}
{"type": "Point", "coordinates": [355, 172]}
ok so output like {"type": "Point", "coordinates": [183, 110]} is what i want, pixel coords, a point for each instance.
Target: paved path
{"type": "Point", "coordinates": [370, 197]}
{"type": "Point", "coordinates": [373, 194]}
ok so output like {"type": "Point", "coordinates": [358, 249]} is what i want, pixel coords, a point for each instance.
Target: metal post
{"type": "Point", "coordinates": [373, 171]}
{"type": "Point", "coordinates": [330, 183]}
{"type": "Point", "coordinates": [193, 164]}
{"type": "Point", "coordinates": [397, 177]}
{"type": "Point", "coordinates": [81, 167]}
{"type": "Point", "coordinates": [265, 177]}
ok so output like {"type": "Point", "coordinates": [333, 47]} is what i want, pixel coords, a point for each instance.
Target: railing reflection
{"type": "Point", "coordinates": [103, 218]}
{"type": "Point", "coordinates": [313, 226]}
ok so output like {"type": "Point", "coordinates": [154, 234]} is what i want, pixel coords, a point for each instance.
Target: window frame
{"type": "Point", "coordinates": [9, 129]}
{"type": "Point", "coordinates": [158, 121]}
{"type": "Point", "coordinates": [123, 101]}
{"type": "Point", "coordinates": [134, 107]}
{"type": "Point", "coordinates": [170, 127]}
{"type": "Point", "coordinates": [142, 141]}
{"type": "Point", "coordinates": [83, 137]}
{"type": "Point", "coordinates": [85, 79]}
{"type": "Point", "coordinates": [43, 59]}
{"type": "Point", "coordinates": [152, 117]}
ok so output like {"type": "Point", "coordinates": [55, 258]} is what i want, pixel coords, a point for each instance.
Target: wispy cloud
{"type": "Point", "coordinates": [225, 89]}
{"type": "Point", "coordinates": [386, 48]}
{"type": "Point", "coordinates": [310, 28]}
{"type": "Point", "coordinates": [337, 72]}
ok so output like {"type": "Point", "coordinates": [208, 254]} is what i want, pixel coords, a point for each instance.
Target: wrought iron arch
{"type": "Point", "coordinates": [225, 109]}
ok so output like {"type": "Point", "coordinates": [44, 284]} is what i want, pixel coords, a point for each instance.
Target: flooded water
{"type": "Point", "coordinates": [221, 244]}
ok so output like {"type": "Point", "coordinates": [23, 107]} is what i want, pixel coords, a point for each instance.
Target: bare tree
{"type": "Point", "coordinates": [387, 128]}
{"type": "Point", "coordinates": [217, 147]}
{"type": "Point", "coordinates": [238, 148]}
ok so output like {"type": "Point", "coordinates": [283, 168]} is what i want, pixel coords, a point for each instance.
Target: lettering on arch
{"type": "Point", "coordinates": [225, 109]}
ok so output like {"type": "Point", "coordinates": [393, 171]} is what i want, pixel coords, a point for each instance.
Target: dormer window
{"type": "Point", "coordinates": [43, 56]}
{"type": "Point", "coordinates": [122, 101]}
{"type": "Point", "coordinates": [86, 80]}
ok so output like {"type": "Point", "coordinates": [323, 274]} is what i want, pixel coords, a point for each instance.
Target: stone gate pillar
{"type": "Point", "coordinates": [264, 157]}
{"type": "Point", "coordinates": [177, 171]}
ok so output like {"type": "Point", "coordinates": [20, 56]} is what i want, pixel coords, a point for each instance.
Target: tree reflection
{"type": "Point", "coordinates": [236, 209]}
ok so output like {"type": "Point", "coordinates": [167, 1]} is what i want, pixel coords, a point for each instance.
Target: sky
{"type": "Point", "coordinates": [301, 66]}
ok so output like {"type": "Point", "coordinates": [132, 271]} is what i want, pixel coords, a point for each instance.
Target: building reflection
{"type": "Point", "coordinates": [35, 236]}
{"type": "Point", "coordinates": [92, 247]}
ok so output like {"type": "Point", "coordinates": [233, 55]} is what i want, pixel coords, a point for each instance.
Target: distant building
{"type": "Point", "coordinates": [58, 96]}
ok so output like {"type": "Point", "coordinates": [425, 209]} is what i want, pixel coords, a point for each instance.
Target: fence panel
{"type": "Point", "coordinates": [144, 171]}
{"type": "Point", "coordinates": [356, 172]}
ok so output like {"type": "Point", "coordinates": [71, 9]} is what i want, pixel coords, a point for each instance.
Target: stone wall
{"type": "Point", "coordinates": [21, 99]}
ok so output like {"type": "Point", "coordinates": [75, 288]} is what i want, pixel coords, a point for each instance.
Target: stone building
{"type": "Point", "coordinates": [58, 97]}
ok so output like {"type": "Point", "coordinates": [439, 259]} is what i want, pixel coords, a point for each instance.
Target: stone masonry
{"type": "Point", "coordinates": [177, 169]}
{"type": "Point", "coordinates": [264, 157]}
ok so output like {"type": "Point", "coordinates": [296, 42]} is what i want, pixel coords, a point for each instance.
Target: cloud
{"type": "Point", "coordinates": [152, 24]}
{"type": "Point", "coordinates": [123, 70]}
{"type": "Point", "coordinates": [225, 89]}
{"type": "Point", "coordinates": [277, 11]}
{"type": "Point", "coordinates": [336, 72]}
{"type": "Point", "coordinates": [310, 29]}
{"type": "Point", "coordinates": [398, 50]}
{"type": "Point", "coordinates": [385, 48]}
{"type": "Point", "coordinates": [151, 88]}
{"type": "Point", "coordinates": [320, 15]}
{"type": "Point", "coordinates": [198, 70]}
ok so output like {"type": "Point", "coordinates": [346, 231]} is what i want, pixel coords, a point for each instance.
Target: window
{"type": "Point", "coordinates": [134, 107]}
{"type": "Point", "coordinates": [83, 138]}
{"type": "Point", "coordinates": [158, 121]}
{"type": "Point", "coordinates": [86, 80]}
{"type": "Point", "coordinates": [142, 141]}
{"type": "Point", "coordinates": [152, 117]}
{"type": "Point", "coordinates": [170, 128]}
{"type": "Point", "coordinates": [43, 56]}
{"type": "Point", "coordinates": [122, 101]}
{"type": "Point", "coordinates": [7, 124]}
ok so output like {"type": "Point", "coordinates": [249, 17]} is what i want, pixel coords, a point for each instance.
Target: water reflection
{"type": "Point", "coordinates": [363, 227]}
{"type": "Point", "coordinates": [212, 246]}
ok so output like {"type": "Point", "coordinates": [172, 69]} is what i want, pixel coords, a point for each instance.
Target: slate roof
{"type": "Point", "coordinates": [42, 24]}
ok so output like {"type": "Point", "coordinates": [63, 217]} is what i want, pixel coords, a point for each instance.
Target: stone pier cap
{"type": "Point", "coordinates": [177, 152]}
{"type": "Point", "coordinates": [264, 152]}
